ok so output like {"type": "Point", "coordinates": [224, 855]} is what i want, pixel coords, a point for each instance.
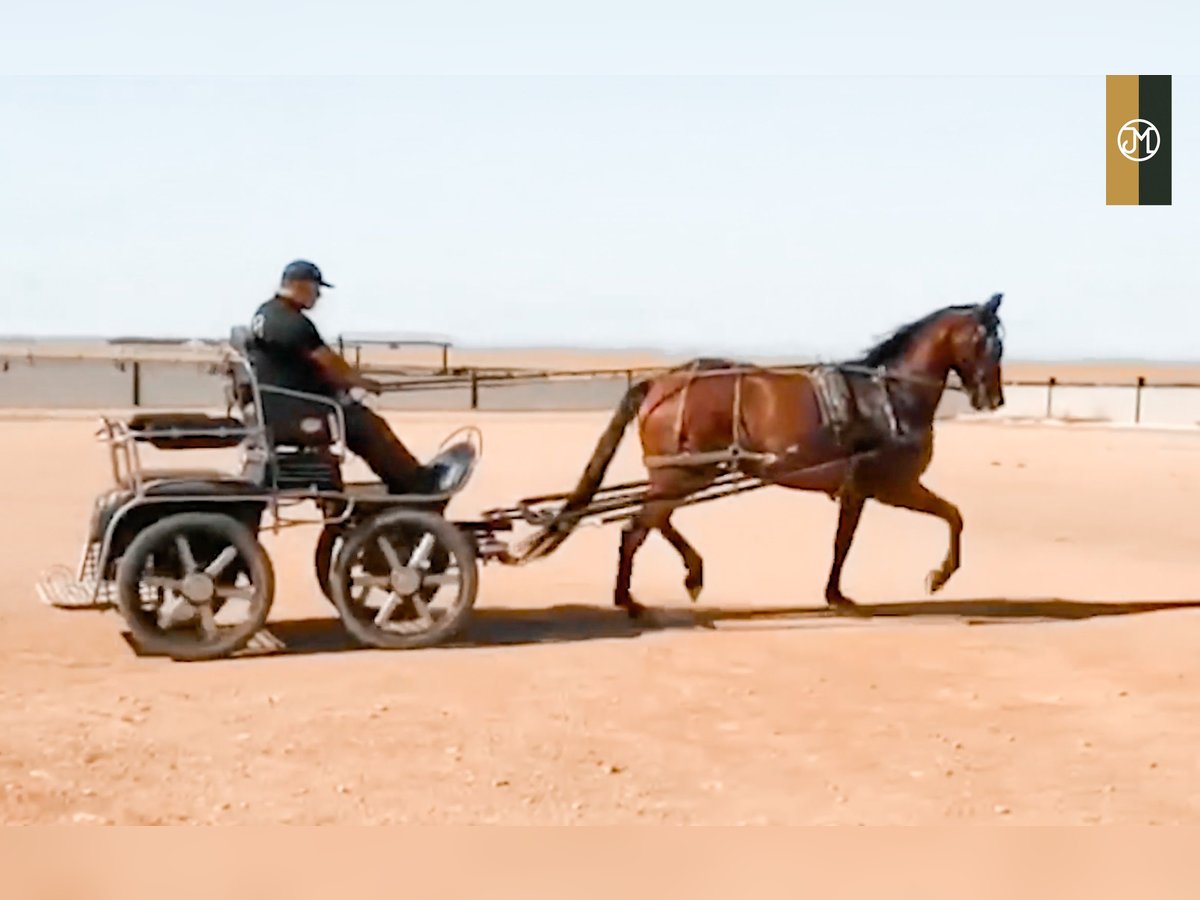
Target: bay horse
{"type": "Point", "coordinates": [787, 429]}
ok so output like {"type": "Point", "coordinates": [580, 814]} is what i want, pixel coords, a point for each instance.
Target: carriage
{"type": "Point", "coordinates": [178, 551]}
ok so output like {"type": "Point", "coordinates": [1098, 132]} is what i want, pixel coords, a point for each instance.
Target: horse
{"type": "Point", "coordinates": [856, 430]}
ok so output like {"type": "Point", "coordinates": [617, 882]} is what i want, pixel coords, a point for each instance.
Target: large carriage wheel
{"type": "Point", "coordinates": [329, 544]}
{"type": "Point", "coordinates": [404, 579]}
{"type": "Point", "coordinates": [195, 586]}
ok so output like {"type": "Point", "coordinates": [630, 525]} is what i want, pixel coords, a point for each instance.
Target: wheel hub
{"type": "Point", "coordinates": [405, 582]}
{"type": "Point", "coordinates": [197, 588]}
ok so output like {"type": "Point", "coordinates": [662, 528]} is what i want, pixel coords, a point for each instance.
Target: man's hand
{"type": "Point", "coordinates": [341, 374]}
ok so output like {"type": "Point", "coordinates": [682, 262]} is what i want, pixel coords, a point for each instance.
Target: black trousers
{"type": "Point", "coordinates": [371, 438]}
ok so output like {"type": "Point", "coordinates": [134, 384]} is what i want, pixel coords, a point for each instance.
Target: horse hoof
{"type": "Point", "coordinates": [693, 589]}
{"type": "Point", "coordinates": [843, 606]}
{"type": "Point", "coordinates": [935, 581]}
{"type": "Point", "coordinates": [632, 608]}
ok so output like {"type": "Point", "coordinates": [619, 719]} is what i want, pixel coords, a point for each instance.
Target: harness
{"type": "Point", "coordinates": [843, 411]}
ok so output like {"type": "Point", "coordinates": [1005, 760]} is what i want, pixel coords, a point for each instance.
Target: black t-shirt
{"type": "Point", "coordinates": [283, 339]}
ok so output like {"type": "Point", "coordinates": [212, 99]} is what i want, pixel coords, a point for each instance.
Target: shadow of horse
{"type": "Point", "coordinates": [571, 623]}
{"type": "Point", "coordinates": [982, 611]}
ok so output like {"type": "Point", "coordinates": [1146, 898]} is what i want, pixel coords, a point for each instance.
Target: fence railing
{"type": "Point", "coordinates": [357, 343]}
{"type": "Point", "coordinates": [146, 379]}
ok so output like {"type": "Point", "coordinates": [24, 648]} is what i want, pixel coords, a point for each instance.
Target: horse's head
{"type": "Point", "coordinates": [975, 341]}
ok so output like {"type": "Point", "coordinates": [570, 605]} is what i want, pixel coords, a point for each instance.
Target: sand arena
{"type": "Point", "coordinates": [1054, 680]}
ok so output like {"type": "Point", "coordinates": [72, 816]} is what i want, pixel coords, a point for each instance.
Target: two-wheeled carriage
{"type": "Point", "coordinates": [178, 551]}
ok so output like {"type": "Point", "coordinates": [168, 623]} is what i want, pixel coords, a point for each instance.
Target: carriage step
{"type": "Point", "coordinates": [59, 587]}
{"type": "Point", "coordinates": [263, 641]}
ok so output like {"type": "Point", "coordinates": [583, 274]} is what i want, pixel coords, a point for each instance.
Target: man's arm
{"type": "Point", "coordinates": [340, 373]}
{"type": "Point", "coordinates": [296, 334]}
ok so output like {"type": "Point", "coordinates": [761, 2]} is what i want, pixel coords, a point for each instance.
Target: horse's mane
{"type": "Point", "coordinates": [895, 344]}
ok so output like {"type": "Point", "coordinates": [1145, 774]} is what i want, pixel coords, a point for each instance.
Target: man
{"type": "Point", "coordinates": [288, 352]}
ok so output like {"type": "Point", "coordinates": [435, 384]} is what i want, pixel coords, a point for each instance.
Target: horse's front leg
{"type": "Point", "coordinates": [917, 497]}
{"type": "Point", "coordinates": [849, 513]}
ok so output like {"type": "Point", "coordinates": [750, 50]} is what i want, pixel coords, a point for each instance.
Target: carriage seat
{"type": "Point", "coordinates": [187, 431]}
{"type": "Point", "coordinates": [306, 430]}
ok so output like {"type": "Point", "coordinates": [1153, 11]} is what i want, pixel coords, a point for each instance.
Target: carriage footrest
{"type": "Point", "coordinates": [307, 471]}
{"type": "Point", "coordinates": [59, 587]}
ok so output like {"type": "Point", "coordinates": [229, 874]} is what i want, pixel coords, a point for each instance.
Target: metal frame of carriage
{"type": "Point", "coordinates": [138, 554]}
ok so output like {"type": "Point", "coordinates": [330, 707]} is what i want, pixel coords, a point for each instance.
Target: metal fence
{"type": "Point", "coordinates": [56, 382]}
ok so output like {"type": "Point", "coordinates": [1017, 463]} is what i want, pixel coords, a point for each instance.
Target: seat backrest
{"type": "Point", "coordinates": [239, 369]}
{"type": "Point", "coordinates": [240, 338]}
{"type": "Point", "coordinates": [295, 427]}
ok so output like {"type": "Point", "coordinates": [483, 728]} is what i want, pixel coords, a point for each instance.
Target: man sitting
{"type": "Point", "coordinates": [288, 352]}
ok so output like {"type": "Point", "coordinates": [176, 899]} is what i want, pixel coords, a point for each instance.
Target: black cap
{"type": "Point", "coordinates": [303, 270]}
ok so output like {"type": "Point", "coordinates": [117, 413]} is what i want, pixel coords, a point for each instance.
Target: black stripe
{"type": "Point", "coordinates": [1154, 174]}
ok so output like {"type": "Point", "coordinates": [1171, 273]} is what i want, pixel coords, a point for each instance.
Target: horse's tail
{"type": "Point", "coordinates": [563, 523]}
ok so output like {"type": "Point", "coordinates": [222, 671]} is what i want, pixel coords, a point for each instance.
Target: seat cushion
{"type": "Point", "coordinates": [187, 431]}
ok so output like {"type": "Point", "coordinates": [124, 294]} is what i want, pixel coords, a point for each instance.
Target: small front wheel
{"type": "Point", "coordinates": [404, 579]}
{"type": "Point", "coordinates": [194, 586]}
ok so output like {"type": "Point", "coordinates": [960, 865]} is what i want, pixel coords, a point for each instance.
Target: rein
{"type": "Point", "coordinates": [879, 372]}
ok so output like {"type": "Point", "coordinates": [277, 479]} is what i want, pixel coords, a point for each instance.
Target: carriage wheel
{"type": "Point", "coordinates": [404, 579]}
{"type": "Point", "coordinates": [328, 545]}
{"type": "Point", "coordinates": [195, 586]}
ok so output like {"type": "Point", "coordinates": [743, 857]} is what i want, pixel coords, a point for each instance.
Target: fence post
{"type": "Point", "coordinates": [628, 379]}
{"type": "Point", "coordinates": [474, 389]}
{"type": "Point", "coordinates": [445, 358]}
{"type": "Point", "coordinates": [1050, 394]}
{"type": "Point", "coordinates": [1137, 405]}
{"type": "Point", "coordinates": [137, 383]}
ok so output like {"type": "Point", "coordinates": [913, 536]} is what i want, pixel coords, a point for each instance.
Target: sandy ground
{"type": "Point", "coordinates": [1055, 680]}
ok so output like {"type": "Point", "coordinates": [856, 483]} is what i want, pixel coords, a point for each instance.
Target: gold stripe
{"type": "Point", "coordinates": [1121, 174]}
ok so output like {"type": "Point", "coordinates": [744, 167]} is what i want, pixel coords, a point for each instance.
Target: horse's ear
{"type": "Point", "coordinates": [993, 304]}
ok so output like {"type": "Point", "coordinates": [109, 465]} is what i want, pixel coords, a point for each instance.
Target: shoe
{"type": "Point", "coordinates": [428, 478]}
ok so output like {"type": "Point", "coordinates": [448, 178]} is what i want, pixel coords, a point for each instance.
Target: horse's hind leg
{"type": "Point", "coordinates": [633, 536]}
{"type": "Point", "coordinates": [694, 582]}
{"type": "Point", "coordinates": [917, 497]}
{"type": "Point", "coordinates": [653, 514]}
{"type": "Point", "coordinates": [656, 513]}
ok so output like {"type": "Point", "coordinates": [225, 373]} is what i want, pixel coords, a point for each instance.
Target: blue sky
{"type": "Point", "coordinates": [753, 177]}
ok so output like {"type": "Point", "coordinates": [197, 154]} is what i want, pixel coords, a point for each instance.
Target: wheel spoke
{"type": "Point", "coordinates": [185, 554]}
{"type": "Point", "coordinates": [163, 582]}
{"type": "Point", "coordinates": [385, 611]}
{"type": "Point", "coordinates": [389, 553]}
{"type": "Point", "coordinates": [221, 563]}
{"type": "Point", "coordinates": [420, 556]}
{"type": "Point", "coordinates": [376, 581]}
{"type": "Point", "coordinates": [442, 579]}
{"type": "Point", "coordinates": [422, 609]}
{"type": "Point", "coordinates": [234, 592]}
{"type": "Point", "coordinates": [208, 624]}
